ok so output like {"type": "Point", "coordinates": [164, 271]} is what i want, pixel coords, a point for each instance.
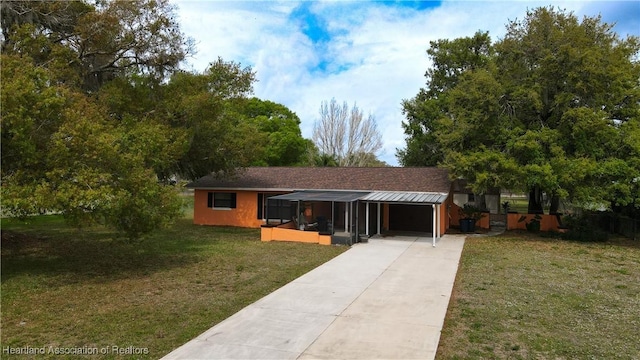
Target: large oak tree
{"type": "Point", "coordinates": [552, 108]}
{"type": "Point", "coordinates": [97, 115]}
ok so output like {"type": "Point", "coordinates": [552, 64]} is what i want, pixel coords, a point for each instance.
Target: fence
{"type": "Point", "coordinates": [629, 227]}
{"type": "Point", "coordinates": [617, 224]}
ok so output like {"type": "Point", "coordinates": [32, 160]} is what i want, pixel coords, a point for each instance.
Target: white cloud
{"type": "Point", "coordinates": [376, 56]}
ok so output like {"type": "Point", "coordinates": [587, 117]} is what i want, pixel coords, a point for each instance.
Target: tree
{"type": "Point", "coordinates": [205, 107]}
{"type": "Point", "coordinates": [451, 59]}
{"type": "Point", "coordinates": [96, 115]}
{"type": "Point", "coordinates": [64, 155]}
{"type": "Point", "coordinates": [96, 43]}
{"type": "Point", "coordinates": [546, 110]}
{"type": "Point", "coordinates": [569, 93]}
{"type": "Point", "coordinates": [323, 160]}
{"type": "Point", "coordinates": [370, 160]}
{"type": "Point", "coordinates": [279, 130]}
{"type": "Point", "coordinates": [346, 134]}
{"type": "Point", "coordinates": [198, 115]}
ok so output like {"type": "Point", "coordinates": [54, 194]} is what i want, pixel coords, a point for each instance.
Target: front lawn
{"type": "Point", "coordinates": [63, 288]}
{"type": "Point", "coordinates": [523, 297]}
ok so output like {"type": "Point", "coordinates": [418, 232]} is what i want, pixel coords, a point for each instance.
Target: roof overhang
{"type": "Point", "coordinates": [405, 197]}
{"type": "Point", "coordinates": [227, 189]}
{"type": "Point", "coordinates": [397, 197]}
{"type": "Point", "coordinates": [338, 196]}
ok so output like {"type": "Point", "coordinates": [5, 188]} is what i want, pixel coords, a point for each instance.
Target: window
{"type": "Point", "coordinates": [221, 200]}
{"type": "Point", "coordinates": [278, 209]}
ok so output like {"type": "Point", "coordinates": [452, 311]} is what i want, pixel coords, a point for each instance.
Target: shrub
{"type": "Point", "coordinates": [581, 228]}
{"type": "Point", "coordinates": [469, 211]}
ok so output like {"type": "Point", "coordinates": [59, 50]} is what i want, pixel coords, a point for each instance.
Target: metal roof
{"type": "Point", "coordinates": [405, 197]}
{"type": "Point", "coordinates": [340, 196]}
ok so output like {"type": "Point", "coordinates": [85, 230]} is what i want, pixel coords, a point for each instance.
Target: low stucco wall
{"type": "Point", "coordinates": [483, 223]}
{"type": "Point", "coordinates": [547, 223]}
{"type": "Point", "coordinates": [285, 234]}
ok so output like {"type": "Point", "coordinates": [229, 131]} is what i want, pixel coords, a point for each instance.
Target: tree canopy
{"type": "Point", "coordinates": [278, 128]}
{"type": "Point", "coordinates": [92, 44]}
{"type": "Point", "coordinates": [97, 115]}
{"type": "Point", "coordinates": [552, 108]}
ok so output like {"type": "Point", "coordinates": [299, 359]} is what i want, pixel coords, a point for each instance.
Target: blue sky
{"type": "Point", "coordinates": [372, 53]}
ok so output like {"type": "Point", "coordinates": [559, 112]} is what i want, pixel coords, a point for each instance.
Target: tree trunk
{"type": "Point", "coordinates": [555, 204]}
{"type": "Point", "coordinates": [535, 201]}
{"type": "Point", "coordinates": [481, 201]}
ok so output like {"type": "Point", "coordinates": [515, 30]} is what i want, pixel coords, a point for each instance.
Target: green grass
{"type": "Point", "coordinates": [67, 288]}
{"type": "Point", "coordinates": [523, 297]}
{"type": "Point", "coordinates": [519, 205]}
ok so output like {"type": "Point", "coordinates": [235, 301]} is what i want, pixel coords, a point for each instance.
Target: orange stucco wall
{"type": "Point", "coordinates": [454, 215]}
{"type": "Point", "coordinates": [547, 223]}
{"type": "Point", "coordinates": [484, 222]}
{"type": "Point", "coordinates": [244, 215]}
{"type": "Point", "coordinates": [444, 219]}
{"type": "Point", "coordinates": [288, 234]}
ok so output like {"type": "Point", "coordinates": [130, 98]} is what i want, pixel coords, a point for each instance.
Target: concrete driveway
{"type": "Point", "coordinates": [385, 299]}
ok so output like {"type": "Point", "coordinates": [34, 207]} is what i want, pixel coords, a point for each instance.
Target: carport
{"type": "Point", "coordinates": [406, 199]}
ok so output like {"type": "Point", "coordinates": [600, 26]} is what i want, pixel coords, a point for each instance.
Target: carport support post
{"type": "Point", "coordinates": [347, 213]}
{"type": "Point", "coordinates": [357, 221]}
{"type": "Point", "coordinates": [378, 218]}
{"type": "Point", "coordinates": [438, 212]}
{"type": "Point", "coordinates": [367, 219]}
{"type": "Point", "coordinates": [434, 224]}
{"type": "Point", "coordinates": [333, 218]}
